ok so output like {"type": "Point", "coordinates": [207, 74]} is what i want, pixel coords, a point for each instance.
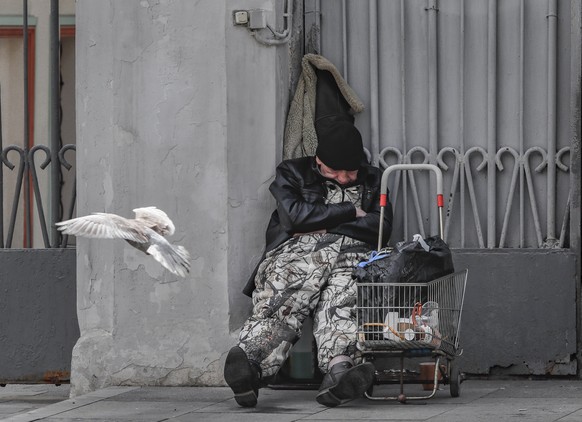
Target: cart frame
{"type": "Point", "coordinates": [449, 290]}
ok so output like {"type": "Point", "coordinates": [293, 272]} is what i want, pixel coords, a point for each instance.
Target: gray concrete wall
{"type": "Point", "coordinates": [519, 315]}
{"type": "Point", "coordinates": [38, 327]}
{"type": "Point", "coordinates": [177, 108]}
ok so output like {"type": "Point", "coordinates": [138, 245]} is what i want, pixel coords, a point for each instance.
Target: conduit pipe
{"type": "Point", "coordinates": [280, 37]}
{"type": "Point", "coordinates": [1, 179]}
{"type": "Point", "coordinates": [432, 9]}
{"type": "Point", "coordinates": [403, 74]}
{"type": "Point", "coordinates": [461, 121]}
{"type": "Point", "coordinates": [551, 122]}
{"type": "Point", "coordinates": [55, 121]}
{"type": "Point", "coordinates": [345, 40]}
{"type": "Point", "coordinates": [520, 127]}
{"type": "Point", "coordinates": [318, 24]}
{"type": "Point", "coordinates": [27, 207]}
{"type": "Point", "coordinates": [374, 89]}
{"type": "Point", "coordinates": [518, 170]}
{"type": "Point", "coordinates": [491, 120]}
{"type": "Point", "coordinates": [312, 26]}
{"type": "Point", "coordinates": [403, 114]}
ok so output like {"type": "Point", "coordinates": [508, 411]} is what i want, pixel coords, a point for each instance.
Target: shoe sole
{"type": "Point", "coordinates": [238, 375]}
{"type": "Point", "coordinates": [352, 385]}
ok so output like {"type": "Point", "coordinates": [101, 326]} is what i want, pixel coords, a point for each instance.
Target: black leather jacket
{"type": "Point", "coordinates": [300, 192]}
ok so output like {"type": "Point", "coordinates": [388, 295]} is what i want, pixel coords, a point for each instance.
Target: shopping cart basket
{"type": "Point", "coordinates": [412, 321]}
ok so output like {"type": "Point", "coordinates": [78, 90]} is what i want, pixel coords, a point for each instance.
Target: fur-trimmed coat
{"type": "Point", "coordinates": [300, 138]}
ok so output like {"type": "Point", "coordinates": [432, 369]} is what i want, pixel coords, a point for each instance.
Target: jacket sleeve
{"type": "Point", "coordinates": [302, 210]}
{"type": "Point", "coordinates": [366, 228]}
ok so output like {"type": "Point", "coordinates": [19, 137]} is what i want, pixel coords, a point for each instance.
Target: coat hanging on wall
{"type": "Point", "coordinates": [322, 96]}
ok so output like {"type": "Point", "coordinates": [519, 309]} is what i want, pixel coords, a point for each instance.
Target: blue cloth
{"type": "Point", "coordinates": [373, 257]}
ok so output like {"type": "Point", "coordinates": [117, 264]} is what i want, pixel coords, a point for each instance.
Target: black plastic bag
{"type": "Point", "coordinates": [409, 262]}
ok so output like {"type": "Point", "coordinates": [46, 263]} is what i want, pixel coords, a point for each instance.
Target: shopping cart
{"type": "Point", "coordinates": [412, 321]}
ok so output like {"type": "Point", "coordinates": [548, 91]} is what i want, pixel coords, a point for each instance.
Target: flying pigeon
{"type": "Point", "coordinates": [145, 232]}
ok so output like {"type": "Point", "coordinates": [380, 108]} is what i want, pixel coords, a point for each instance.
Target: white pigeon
{"type": "Point", "coordinates": [145, 232]}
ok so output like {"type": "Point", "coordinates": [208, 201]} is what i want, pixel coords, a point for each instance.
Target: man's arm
{"type": "Point", "coordinates": [300, 211]}
{"type": "Point", "coordinates": [366, 228]}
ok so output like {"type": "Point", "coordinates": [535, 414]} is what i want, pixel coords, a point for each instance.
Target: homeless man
{"type": "Point", "coordinates": [326, 221]}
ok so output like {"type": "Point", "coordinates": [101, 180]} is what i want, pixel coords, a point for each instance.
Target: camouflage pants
{"type": "Point", "coordinates": [307, 274]}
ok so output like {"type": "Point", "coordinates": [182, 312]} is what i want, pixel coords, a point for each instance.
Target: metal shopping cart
{"type": "Point", "coordinates": [408, 322]}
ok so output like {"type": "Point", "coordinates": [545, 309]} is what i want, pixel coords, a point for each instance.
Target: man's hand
{"type": "Point", "coordinates": [360, 212]}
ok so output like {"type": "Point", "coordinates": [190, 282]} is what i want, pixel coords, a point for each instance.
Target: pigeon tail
{"type": "Point", "coordinates": [174, 258]}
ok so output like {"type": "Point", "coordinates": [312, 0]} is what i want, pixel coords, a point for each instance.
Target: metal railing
{"type": "Point", "coordinates": [462, 198]}
{"type": "Point", "coordinates": [28, 193]}
{"type": "Point", "coordinates": [26, 165]}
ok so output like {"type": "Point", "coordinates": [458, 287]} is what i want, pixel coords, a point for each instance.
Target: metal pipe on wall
{"type": "Point", "coordinates": [403, 75]}
{"type": "Point", "coordinates": [318, 24]}
{"type": "Point", "coordinates": [575, 134]}
{"type": "Point", "coordinates": [551, 122]}
{"type": "Point", "coordinates": [517, 154]}
{"type": "Point", "coordinates": [374, 90]}
{"type": "Point", "coordinates": [520, 126]}
{"type": "Point", "coordinates": [491, 120]}
{"type": "Point", "coordinates": [312, 26]}
{"type": "Point", "coordinates": [1, 179]}
{"type": "Point", "coordinates": [432, 8]}
{"type": "Point", "coordinates": [27, 207]}
{"type": "Point", "coordinates": [462, 118]}
{"type": "Point", "coordinates": [55, 124]}
{"type": "Point", "coordinates": [345, 41]}
{"type": "Point", "coordinates": [403, 114]}
{"type": "Point", "coordinates": [278, 37]}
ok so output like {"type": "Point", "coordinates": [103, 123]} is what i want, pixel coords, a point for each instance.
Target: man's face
{"type": "Point", "coordinates": [343, 177]}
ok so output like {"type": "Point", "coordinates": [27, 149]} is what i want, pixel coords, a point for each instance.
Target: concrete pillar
{"type": "Point", "coordinates": [177, 108]}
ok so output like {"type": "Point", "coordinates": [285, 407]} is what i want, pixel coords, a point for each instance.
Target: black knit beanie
{"type": "Point", "coordinates": [339, 145]}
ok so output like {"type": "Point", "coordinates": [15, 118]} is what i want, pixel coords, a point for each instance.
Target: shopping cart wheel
{"type": "Point", "coordinates": [454, 379]}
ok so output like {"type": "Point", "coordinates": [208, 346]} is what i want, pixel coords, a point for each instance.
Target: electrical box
{"type": "Point", "coordinates": [257, 19]}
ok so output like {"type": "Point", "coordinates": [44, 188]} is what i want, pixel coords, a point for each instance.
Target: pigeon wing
{"type": "Point", "coordinates": [175, 258]}
{"type": "Point", "coordinates": [104, 226]}
{"type": "Point", "coordinates": [155, 219]}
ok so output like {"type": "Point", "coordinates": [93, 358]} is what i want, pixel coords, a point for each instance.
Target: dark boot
{"type": "Point", "coordinates": [243, 376]}
{"type": "Point", "coordinates": [345, 381]}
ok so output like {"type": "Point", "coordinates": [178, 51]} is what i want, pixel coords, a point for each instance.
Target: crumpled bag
{"type": "Point", "coordinates": [417, 261]}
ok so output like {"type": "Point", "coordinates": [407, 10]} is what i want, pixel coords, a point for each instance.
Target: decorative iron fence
{"type": "Point", "coordinates": [464, 209]}
{"type": "Point", "coordinates": [27, 194]}
{"type": "Point", "coordinates": [37, 183]}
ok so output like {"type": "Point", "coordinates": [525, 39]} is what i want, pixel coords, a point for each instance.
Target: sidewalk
{"type": "Point", "coordinates": [498, 400]}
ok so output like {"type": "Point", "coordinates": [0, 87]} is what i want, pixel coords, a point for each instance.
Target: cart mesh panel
{"type": "Point", "coordinates": [411, 315]}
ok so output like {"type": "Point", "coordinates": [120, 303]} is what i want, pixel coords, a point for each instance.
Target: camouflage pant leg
{"type": "Point", "coordinates": [288, 285]}
{"type": "Point", "coordinates": [334, 321]}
